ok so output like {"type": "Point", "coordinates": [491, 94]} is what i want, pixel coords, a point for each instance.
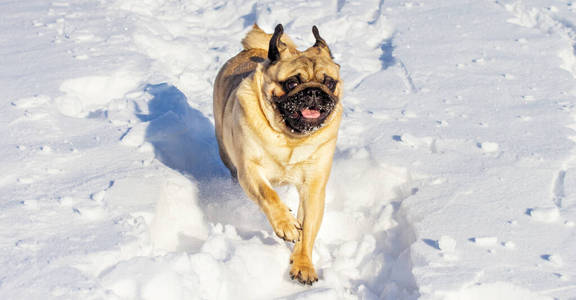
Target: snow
{"type": "Point", "coordinates": [454, 176]}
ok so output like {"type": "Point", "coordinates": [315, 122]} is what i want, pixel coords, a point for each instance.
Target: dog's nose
{"type": "Point", "coordinates": [314, 95]}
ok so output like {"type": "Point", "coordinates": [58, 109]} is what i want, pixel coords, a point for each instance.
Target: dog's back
{"type": "Point", "coordinates": [227, 81]}
{"type": "Point", "coordinates": [231, 75]}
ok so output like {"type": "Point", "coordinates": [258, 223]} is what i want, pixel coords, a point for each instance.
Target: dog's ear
{"type": "Point", "coordinates": [276, 46]}
{"type": "Point", "coordinates": [320, 42]}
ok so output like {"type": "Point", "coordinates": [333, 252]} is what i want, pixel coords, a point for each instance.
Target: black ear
{"type": "Point", "coordinates": [320, 42]}
{"type": "Point", "coordinates": [273, 51]}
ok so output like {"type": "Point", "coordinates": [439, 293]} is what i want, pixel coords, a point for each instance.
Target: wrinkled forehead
{"type": "Point", "coordinates": [308, 67]}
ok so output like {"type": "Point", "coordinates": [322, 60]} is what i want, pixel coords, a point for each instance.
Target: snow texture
{"type": "Point", "coordinates": [454, 177]}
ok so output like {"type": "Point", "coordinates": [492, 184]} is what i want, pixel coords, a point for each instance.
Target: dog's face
{"type": "Point", "coordinates": [303, 87]}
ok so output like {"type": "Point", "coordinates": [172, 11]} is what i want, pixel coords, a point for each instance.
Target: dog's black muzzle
{"type": "Point", "coordinates": [306, 108]}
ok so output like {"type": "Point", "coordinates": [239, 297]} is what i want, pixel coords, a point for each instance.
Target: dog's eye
{"type": "Point", "coordinates": [329, 83]}
{"type": "Point", "coordinates": [291, 83]}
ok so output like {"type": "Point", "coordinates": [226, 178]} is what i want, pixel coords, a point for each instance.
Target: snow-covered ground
{"type": "Point", "coordinates": [454, 178]}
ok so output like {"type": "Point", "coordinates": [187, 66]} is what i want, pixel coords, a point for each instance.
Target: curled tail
{"type": "Point", "coordinates": [258, 39]}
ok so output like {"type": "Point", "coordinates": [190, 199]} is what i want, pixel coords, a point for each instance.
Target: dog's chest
{"type": "Point", "coordinates": [300, 154]}
{"type": "Point", "coordinates": [288, 155]}
{"type": "Point", "coordinates": [287, 164]}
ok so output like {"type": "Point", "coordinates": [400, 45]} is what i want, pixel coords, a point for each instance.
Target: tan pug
{"type": "Point", "coordinates": [277, 111]}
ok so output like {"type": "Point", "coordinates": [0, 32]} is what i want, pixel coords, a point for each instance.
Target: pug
{"type": "Point", "coordinates": [277, 112]}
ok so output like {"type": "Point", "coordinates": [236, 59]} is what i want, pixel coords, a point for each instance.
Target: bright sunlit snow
{"type": "Point", "coordinates": [454, 175]}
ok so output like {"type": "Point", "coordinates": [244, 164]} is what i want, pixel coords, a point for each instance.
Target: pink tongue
{"type": "Point", "coordinates": [310, 113]}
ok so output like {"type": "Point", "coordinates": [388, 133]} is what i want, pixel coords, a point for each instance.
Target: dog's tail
{"type": "Point", "coordinates": [258, 39]}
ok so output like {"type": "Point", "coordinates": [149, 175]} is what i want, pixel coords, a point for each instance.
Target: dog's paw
{"type": "Point", "coordinates": [303, 270]}
{"type": "Point", "coordinates": [286, 226]}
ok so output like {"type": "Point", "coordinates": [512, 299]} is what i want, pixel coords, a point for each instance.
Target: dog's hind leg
{"type": "Point", "coordinates": [228, 163]}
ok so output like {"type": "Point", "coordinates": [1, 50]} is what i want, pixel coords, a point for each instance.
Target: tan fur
{"type": "Point", "coordinates": [258, 39]}
{"type": "Point", "coordinates": [255, 143]}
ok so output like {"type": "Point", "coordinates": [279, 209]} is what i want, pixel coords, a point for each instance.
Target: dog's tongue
{"type": "Point", "coordinates": [310, 113]}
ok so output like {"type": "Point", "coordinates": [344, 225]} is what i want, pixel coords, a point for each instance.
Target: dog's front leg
{"type": "Point", "coordinates": [258, 188]}
{"type": "Point", "coordinates": [310, 213]}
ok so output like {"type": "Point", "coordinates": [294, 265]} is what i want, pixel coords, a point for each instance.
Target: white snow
{"type": "Point", "coordinates": [446, 243]}
{"type": "Point", "coordinates": [485, 241]}
{"type": "Point", "coordinates": [454, 177]}
{"type": "Point", "coordinates": [545, 214]}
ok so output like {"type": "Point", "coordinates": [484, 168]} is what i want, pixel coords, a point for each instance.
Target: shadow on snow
{"type": "Point", "coordinates": [183, 138]}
